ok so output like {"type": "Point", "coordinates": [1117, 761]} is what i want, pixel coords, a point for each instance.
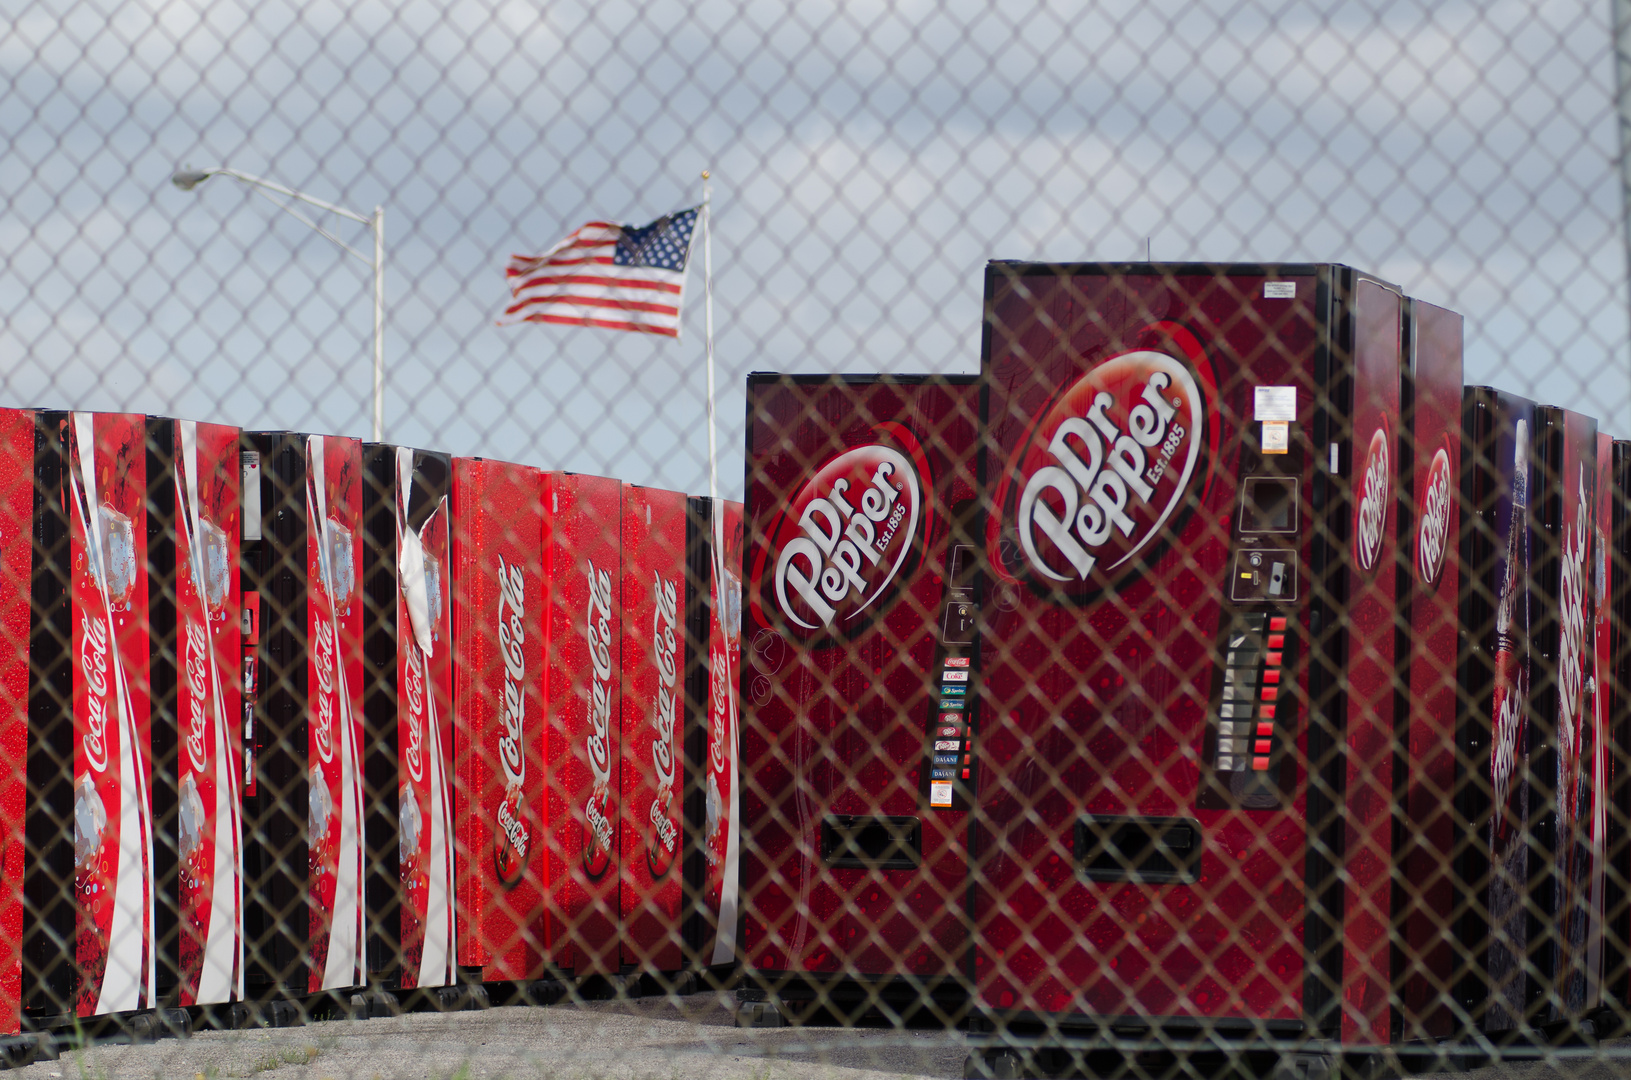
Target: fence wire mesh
{"type": "Point", "coordinates": [1144, 659]}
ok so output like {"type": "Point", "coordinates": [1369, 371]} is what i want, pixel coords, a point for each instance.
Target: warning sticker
{"type": "Point", "coordinates": [1279, 290]}
{"type": "Point", "coordinates": [1276, 437]}
{"type": "Point", "coordinates": [940, 794]}
{"type": "Point", "coordinates": [1274, 403]}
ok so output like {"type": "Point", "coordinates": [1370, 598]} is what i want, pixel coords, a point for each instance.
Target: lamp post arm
{"type": "Point", "coordinates": [291, 193]}
{"type": "Point", "coordinates": [316, 228]}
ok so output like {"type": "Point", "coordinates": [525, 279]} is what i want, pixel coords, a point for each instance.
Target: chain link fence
{"type": "Point", "coordinates": [954, 736]}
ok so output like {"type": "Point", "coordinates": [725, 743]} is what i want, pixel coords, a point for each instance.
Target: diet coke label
{"type": "Point", "coordinates": [599, 631]}
{"type": "Point", "coordinates": [1371, 514]}
{"type": "Point", "coordinates": [1105, 469]}
{"type": "Point", "coordinates": [848, 533]}
{"type": "Point", "coordinates": [1433, 535]}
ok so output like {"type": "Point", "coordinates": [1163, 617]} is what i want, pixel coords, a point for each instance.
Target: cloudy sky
{"type": "Point", "coordinates": [869, 157]}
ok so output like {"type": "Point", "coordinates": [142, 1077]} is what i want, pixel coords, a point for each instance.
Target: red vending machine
{"type": "Point", "coordinates": [1569, 782]}
{"type": "Point", "coordinates": [408, 717]}
{"type": "Point", "coordinates": [1617, 898]}
{"type": "Point", "coordinates": [89, 744]}
{"type": "Point", "coordinates": [302, 551]}
{"type": "Point", "coordinates": [652, 845]}
{"type": "Point", "coordinates": [718, 563]}
{"type": "Point", "coordinates": [1189, 651]}
{"type": "Point", "coordinates": [582, 562]}
{"type": "Point", "coordinates": [1429, 527]}
{"type": "Point", "coordinates": [193, 550]}
{"type": "Point", "coordinates": [859, 720]}
{"type": "Point", "coordinates": [19, 531]}
{"type": "Point", "coordinates": [501, 738]}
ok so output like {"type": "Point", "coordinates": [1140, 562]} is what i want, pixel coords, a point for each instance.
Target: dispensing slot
{"type": "Point", "coordinates": [1153, 849]}
{"type": "Point", "coordinates": [871, 842]}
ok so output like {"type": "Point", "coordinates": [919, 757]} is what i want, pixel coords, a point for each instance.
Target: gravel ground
{"type": "Point", "coordinates": [645, 1039]}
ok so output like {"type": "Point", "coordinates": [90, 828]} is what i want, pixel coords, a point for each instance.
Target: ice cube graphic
{"type": "Point", "coordinates": [715, 807]}
{"type": "Point", "coordinates": [433, 591]}
{"type": "Point", "coordinates": [733, 607]}
{"type": "Point", "coordinates": [217, 566]}
{"type": "Point", "coordinates": [118, 555]}
{"type": "Point", "coordinates": [342, 571]}
{"type": "Point", "coordinates": [191, 813]}
{"type": "Point", "coordinates": [412, 821]}
{"type": "Point", "coordinates": [90, 821]}
{"type": "Point", "coordinates": [321, 808]}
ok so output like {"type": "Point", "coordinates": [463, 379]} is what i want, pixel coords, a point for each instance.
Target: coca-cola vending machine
{"type": "Point", "coordinates": [654, 725]}
{"type": "Point", "coordinates": [860, 711]}
{"type": "Point", "coordinates": [408, 717]}
{"type": "Point", "coordinates": [18, 534]}
{"type": "Point", "coordinates": [500, 738]}
{"type": "Point", "coordinates": [89, 745]}
{"type": "Point", "coordinates": [717, 568]}
{"type": "Point", "coordinates": [582, 563]}
{"type": "Point", "coordinates": [302, 553]}
{"type": "Point", "coordinates": [193, 534]}
{"type": "Point", "coordinates": [1617, 898]}
{"type": "Point", "coordinates": [1192, 547]}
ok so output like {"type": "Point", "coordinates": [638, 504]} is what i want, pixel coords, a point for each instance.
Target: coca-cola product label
{"type": "Point", "coordinates": [721, 829]}
{"type": "Point", "coordinates": [334, 718]}
{"type": "Point", "coordinates": [1108, 468]}
{"type": "Point", "coordinates": [113, 820]}
{"type": "Point", "coordinates": [209, 800]}
{"type": "Point", "coordinates": [1374, 498]}
{"type": "Point", "coordinates": [425, 738]}
{"type": "Point", "coordinates": [600, 628]}
{"type": "Point", "coordinates": [847, 535]}
{"type": "Point", "coordinates": [17, 449]}
{"type": "Point", "coordinates": [1433, 530]}
{"type": "Point", "coordinates": [502, 860]}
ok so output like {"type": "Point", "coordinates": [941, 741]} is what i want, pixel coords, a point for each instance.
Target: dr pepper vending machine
{"type": "Point", "coordinates": [859, 718]}
{"type": "Point", "coordinates": [1192, 547]}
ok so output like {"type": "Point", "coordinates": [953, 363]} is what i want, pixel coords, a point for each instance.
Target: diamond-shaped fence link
{"type": "Point", "coordinates": [1165, 610]}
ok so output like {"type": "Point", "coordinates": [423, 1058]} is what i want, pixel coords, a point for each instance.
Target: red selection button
{"type": "Point", "coordinates": [1271, 693]}
{"type": "Point", "coordinates": [1260, 764]}
{"type": "Point", "coordinates": [965, 774]}
{"type": "Point", "coordinates": [1265, 729]}
{"type": "Point", "coordinates": [1271, 677]}
{"type": "Point", "coordinates": [1274, 659]}
{"type": "Point", "coordinates": [1267, 712]}
{"type": "Point", "coordinates": [1277, 641]}
{"type": "Point", "coordinates": [1262, 746]}
{"type": "Point", "coordinates": [1277, 624]}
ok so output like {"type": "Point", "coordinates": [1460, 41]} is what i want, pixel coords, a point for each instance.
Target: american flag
{"type": "Point", "coordinates": [621, 277]}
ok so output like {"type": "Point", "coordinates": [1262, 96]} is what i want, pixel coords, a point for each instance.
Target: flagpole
{"type": "Point", "coordinates": [708, 328]}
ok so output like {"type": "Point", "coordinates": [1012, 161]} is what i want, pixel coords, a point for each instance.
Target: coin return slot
{"type": "Point", "coordinates": [877, 843]}
{"type": "Point", "coordinates": [1153, 849]}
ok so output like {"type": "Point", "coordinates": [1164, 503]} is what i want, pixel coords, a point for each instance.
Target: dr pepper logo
{"type": "Point", "coordinates": [1433, 538]}
{"type": "Point", "coordinates": [1105, 473]}
{"type": "Point", "coordinates": [1370, 512]}
{"type": "Point", "coordinates": [846, 536]}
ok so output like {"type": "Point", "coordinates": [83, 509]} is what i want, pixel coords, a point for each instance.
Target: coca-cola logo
{"type": "Point", "coordinates": [598, 634]}
{"type": "Point", "coordinates": [1370, 515]}
{"type": "Point", "coordinates": [195, 660]}
{"type": "Point", "coordinates": [1106, 468]}
{"type": "Point", "coordinates": [1433, 537]}
{"type": "Point", "coordinates": [415, 691]}
{"type": "Point", "coordinates": [847, 534]}
{"type": "Point", "coordinates": [512, 634]}
{"type": "Point", "coordinates": [94, 663]}
{"type": "Point", "coordinates": [665, 649]}
{"type": "Point", "coordinates": [323, 659]}
{"type": "Point", "coordinates": [720, 709]}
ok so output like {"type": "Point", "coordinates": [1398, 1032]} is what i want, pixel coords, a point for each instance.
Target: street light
{"type": "Point", "coordinates": [187, 179]}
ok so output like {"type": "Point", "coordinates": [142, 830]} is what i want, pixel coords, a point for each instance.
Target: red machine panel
{"type": "Point", "coordinates": [193, 548]}
{"type": "Point", "coordinates": [721, 839]}
{"type": "Point", "coordinates": [1429, 530]}
{"type": "Point", "coordinates": [334, 727]}
{"type": "Point", "coordinates": [582, 561]}
{"type": "Point", "coordinates": [655, 599]}
{"type": "Point", "coordinates": [501, 736]}
{"type": "Point", "coordinates": [1165, 456]}
{"type": "Point", "coordinates": [16, 554]}
{"type": "Point", "coordinates": [859, 548]}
